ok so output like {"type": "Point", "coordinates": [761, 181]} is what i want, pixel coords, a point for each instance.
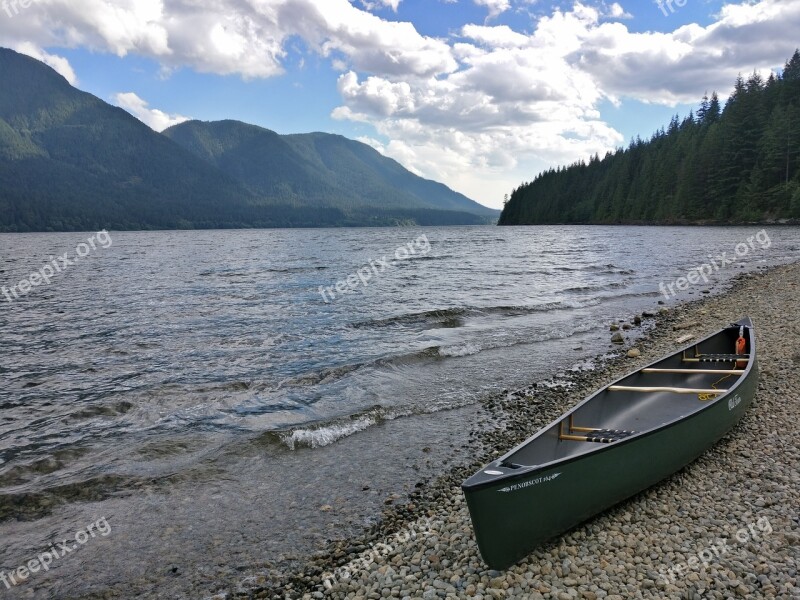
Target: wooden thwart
{"type": "Point", "coordinates": [673, 390]}
{"type": "Point", "coordinates": [696, 371]}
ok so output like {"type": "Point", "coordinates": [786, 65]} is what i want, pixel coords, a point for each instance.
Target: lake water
{"type": "Point", "coordinates": [207, 392]}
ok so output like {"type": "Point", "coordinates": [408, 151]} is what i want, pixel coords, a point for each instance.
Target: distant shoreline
{"type": "Point", "coordinates": [782, 222]}
{"type": "Point", "coordinates": [793, 223]}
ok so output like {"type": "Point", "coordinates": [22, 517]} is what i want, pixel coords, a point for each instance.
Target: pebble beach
{"type": "Point", "coordinates": [726, 526]}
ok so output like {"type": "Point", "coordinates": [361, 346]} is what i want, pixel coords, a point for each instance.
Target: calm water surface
{"type": "Point", "coordinates": [195, 389]}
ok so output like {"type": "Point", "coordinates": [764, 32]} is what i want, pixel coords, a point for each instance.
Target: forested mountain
{"type": "Point", "coordinates": [318, 169]}
{"type": "Point", "coordinates": [733, 164]}
{"type": "Point", "coordinates": [69, 161]}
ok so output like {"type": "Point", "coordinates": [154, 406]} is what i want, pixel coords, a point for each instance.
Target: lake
{"type": "Point", "coordinates": [236, 398]}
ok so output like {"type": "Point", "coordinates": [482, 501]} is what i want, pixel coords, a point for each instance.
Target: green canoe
{"type": "Point", "coordinates": [616, 443]}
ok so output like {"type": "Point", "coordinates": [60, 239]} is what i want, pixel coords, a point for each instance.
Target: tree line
{"type": "Point", "coordinates": [736, 163]}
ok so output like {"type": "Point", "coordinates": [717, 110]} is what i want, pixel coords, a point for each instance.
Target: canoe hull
{"type": "Point", "coordinates": [513, 517]}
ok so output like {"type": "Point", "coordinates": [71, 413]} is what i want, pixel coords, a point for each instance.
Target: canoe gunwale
{"type": "Point", "coordinates": [521, 472]}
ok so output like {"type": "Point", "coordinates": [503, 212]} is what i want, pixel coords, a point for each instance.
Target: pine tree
{"type": "Point", "coordinates": [702, 112]}
{"type": "Point", "coordinates": [791, 71]}
{"type": "Point", "coordinates": [732, 164]}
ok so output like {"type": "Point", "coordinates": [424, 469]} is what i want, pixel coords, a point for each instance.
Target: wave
{"type": "Point", "coordinates": [432, 257]}
{"type": "Point", "coordinates": [467, 349]}
{"type": "Point", "coordinates": [227, 274]}
{"type": "Point", "coordinates": [325, 435]}
{"type": "Point", "coordinates": [471, 348]}
{"type": "Point", "coordinates": [607, 269]}
{"type": "Point", "coordinates": [323, 376]}
{"type": "Point", "coordinates": [458, 349]}
{"type": "Point", "coordinates": [614, 285]}
{"type": "Point", "coordinates": [449, 315]}
{"type": "Point", "coordinates": [431, 316]}
{"type": "Point", "coordinates": [329, 432]}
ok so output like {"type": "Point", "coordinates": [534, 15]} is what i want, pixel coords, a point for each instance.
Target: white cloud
{"type": "Point", "coordinates": [241, 37]}
{"type": "Point", "coordinates": [57, 63]}
{"type": "Point", "coordinates": [152, 117]}
{"type": "Point", "coordinates": [496, 7]}
{"type": "Point", "coordinates": [615, 11]}
{"type": "Point", "coordinates": [393, 4]}
{"type": "Point", "coordinates": [521, 102]}
{"type": "Point", "coordinates": [369, 43]}
{"type": "Point", "coordinates": [670, 68]}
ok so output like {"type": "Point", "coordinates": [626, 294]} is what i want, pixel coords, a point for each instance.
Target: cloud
{"type": "Point", "coordinates": [231, 37]}
{"type": "Point", "coordinates": [152, 117]}
{"type": "Point", "coordinates": [615, 11]}
{"type": "Point", "coordinates": [676, 67]}
{"type": "Point", "coordinates": [516, 105]}
{"type": "Point", "coordinates": [58, 63]}
{"type": "Point", "coordinates": [521, 102]}
{"type": "Point", "coordinates": [495, 7]}
{"type": "Point", "coordinates": [393, 4]}
{"type": "Point", "coordinates": [368, 43]}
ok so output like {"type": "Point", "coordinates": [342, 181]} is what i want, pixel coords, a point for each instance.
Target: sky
{"type": "Point", "coordinates": [481, 95]}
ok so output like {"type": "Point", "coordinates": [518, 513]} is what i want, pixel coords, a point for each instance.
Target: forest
{"type": "Point", "coordinates": [731, 164]}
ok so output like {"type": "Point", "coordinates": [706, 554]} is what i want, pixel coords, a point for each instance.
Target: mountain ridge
{"type": "Point", "coordinates": [319, 167]}
{"type": "Point", "coordinates": [70, 161]}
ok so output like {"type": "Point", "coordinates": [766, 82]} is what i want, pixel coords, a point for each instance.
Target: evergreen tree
{"type": "Point", "coordinates": [739, 163]}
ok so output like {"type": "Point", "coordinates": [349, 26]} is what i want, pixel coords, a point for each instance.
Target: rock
{"type": "Point", "coordinates": [634, 353]}
{"type": "Point", "coordinates": [637, 320]}
{"type": "Point", "coordinates": [614, 327]}
{"type": "Point", "coordinates": [617, 338]}
{"type": "Point", "coordinates": [626, 326]}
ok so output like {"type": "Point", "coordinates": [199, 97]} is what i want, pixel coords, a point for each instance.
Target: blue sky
{"type": "Point", "coordinates": [478, 94]}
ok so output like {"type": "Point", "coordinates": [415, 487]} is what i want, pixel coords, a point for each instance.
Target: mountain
{"type": "Point", "coordinates": [317, 169]}
{"type": "Point", "coordinates": [69, 161]}
{"type": "Point", "coordinates": [734, 164]}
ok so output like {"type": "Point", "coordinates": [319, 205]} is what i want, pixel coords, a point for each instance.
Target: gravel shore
{"type": "Point", "coordinates": [726, 526]}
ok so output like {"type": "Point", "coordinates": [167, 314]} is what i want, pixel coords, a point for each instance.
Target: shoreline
{"type": "Point", "coordinates": [410, 551]}
{"type": "Point", "coordinates": [781, 223]}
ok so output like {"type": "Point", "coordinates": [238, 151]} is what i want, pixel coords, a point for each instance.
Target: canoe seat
{"type": "Point", "coordinates": [600, 436]}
